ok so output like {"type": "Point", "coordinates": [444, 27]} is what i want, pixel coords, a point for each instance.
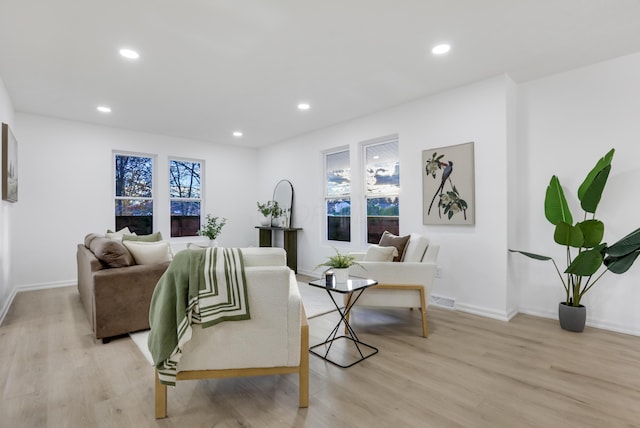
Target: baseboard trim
{"type": "Point", "coordinates": [31, 287]}
{"type": "Point", "coordinates": [483, 312]}
{"type": "Point", "coordinates": [595, 324]}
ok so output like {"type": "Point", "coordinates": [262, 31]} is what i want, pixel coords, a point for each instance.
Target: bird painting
{"type": "Point", "coordinates": [442, 191]}
{"type": "Point", "coordinates": [448, 169]}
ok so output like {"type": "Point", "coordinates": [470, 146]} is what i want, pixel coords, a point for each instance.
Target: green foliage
{"type": "Point", "coordinates": [586, 237]}
{"type": "Point", "coordinates": [212, 227]}
{"type": "Point", "coordinates": [270, 208]}
{"type": "Point", "coordinates": [339, 261]}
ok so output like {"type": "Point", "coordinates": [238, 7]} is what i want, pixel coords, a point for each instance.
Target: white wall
{"type": "Point", "coordinates": [6, 209]}
{"type": "Point", "coordinates": [567, 122]}
{"type": "Point", "coordinates": [473, 259]}
{"type": "Point", "coordinates": [66, 191]}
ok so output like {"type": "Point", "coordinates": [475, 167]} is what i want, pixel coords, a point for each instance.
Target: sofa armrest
{"type": "Point", "coordinates": [121, 298]}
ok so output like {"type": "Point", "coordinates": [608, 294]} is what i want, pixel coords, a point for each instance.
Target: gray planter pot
{"type": "Point", "coordinates": [572, 318]}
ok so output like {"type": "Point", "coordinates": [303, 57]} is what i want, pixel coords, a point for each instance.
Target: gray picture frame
{"type": "Point", "coordinates": [9, 165]}
{"type": "Point", "coordinates": [448, 185]}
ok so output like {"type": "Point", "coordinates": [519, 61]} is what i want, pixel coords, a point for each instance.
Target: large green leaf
{"type": "Point", "coordinates": [586, 263]}
{"type": "Point", "coordinates": [568, 235]}
{"type": "Point", "coordinates": [556, 208]}
{"type": "Point", "coordinates": [602, 163]}
{"type": "Point", "coordinates": [593, 193]}
{"type": "Point", "coordinates": [626, 245]}
{"type": "Point", "coordinates": [593, 232]}
{"type": "Point", "coordinates": [533, 256]}
{"type": "Point", "coordinates": [621, 264]}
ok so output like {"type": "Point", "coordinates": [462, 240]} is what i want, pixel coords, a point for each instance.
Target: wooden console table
{"type": "Point", "coordinates": [290, 242]}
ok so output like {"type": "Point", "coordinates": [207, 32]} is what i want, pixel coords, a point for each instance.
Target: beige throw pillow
{"type": "Point", "coordinates": [388, 239]}
{"type": "Point", "coordinates": [149, 253]}
{"type": "Point", "coordinates": [376, 253]}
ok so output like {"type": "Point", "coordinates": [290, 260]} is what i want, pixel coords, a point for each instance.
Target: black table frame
{"type": "Point", "coordinates": [344, 314]}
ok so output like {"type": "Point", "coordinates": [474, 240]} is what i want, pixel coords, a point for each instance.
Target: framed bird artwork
{"type": "Point", "coordinates": [448, 185]}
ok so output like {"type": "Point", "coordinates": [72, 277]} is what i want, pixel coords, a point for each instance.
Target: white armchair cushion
{"type": "Point", "coordinates": [376, 253]}
{"type": "Point", "coordinates": [271, 338]}
{"type": "Point", "coordinates": [416, 248]}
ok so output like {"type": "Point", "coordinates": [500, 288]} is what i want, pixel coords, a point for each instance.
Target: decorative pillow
{"type": "Point", "coordinates": [154, 237]}
{"type": "Point", "coordinates": [90, 237]}
{"type": "Point", "coordinates": [149, 253]}
{"type": "Point", "coordinates": [376, 253]}
{"type": "Point", "coordinates": [119, 234]}
{"type": "Point", "coordinates": [388, 239]}
{"type": "Point", "coordinates": [416, 248]}
{"type": "Point", "coordinates": [111, 252]}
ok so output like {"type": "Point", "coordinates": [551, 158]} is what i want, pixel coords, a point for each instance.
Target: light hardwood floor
{"type": "Point", "coordinates": [470, 372]}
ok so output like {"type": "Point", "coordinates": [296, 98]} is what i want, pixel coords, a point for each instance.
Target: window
{"type": "Point", "coordinates": [185, 196]}
{"type": "Point", "coordinates": [134, 193]}
{"type": "Point", "coordinates": [382, 178]}
{"type": "Point", "coordinates": [338, 196]}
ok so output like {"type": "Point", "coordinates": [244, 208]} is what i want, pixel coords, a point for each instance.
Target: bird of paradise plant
{"type": "Point", "coordinates": [585, 251]}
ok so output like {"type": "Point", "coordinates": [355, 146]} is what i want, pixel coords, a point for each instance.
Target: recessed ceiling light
{"type": "Point", "coordinates": [441, 49]}
{"type": "Point", "coordinates": [303, 106]}
{"type": "Point", "coordinates": [237, 134]}
{"type": "Point", "coordinates": [104, 109]}
{"type": "Point", "coordinates": [129, 54]}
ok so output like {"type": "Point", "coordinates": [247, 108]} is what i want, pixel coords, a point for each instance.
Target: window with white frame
{"type": "Point", "coordinates": [185, 195]}
{"type": "Point", "coordinates": [382, 188]}
{"type": "Point", "coordinates": [133, 177]}
{"type": "Point", "coordinates": [338, 195]}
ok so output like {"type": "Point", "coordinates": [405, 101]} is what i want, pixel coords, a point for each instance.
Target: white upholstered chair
{"type": "Point", "coordinates": [403, 284]}
{"type": "Point", "coordinates": [274, 341]}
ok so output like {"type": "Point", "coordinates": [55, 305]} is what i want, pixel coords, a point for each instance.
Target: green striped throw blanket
{"type": "Point", "coordinates": [200, 286]}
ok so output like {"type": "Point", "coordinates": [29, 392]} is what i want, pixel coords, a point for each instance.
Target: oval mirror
{"type": "Point", "coordinates": [283, 195]}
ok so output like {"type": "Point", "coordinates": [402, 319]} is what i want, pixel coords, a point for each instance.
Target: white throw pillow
{"type": "Point", "coordinates": [149, 253]}
{"type": "Point", "coordinates": [376, 253]}
{"type": "Point", "coordinates": [119, 234]}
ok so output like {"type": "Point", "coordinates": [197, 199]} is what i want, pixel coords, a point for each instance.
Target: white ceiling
{"type": "Point", "coordinates": [209, 67]}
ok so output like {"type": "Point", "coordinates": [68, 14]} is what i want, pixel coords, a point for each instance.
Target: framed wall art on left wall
{"type": "Point", "coordinates": [9, 165]}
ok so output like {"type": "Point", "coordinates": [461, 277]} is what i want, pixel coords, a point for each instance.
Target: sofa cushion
{"type": "Point", "coordinates": [111, 252]}
{"type": "Point", "coordinates": [376, 253]}
{"type": "Point", "coordinates": [154, 237]}
{"type": "Point", "coordinates": [119, 234]}
{"type": "Point", "coordinates": [90, 237]}
{"type": "Point", "coordinates": [388, 239]}
{"type": "Point", "coordinates": [416, 248]}
{"type": "Point", "coordinates": [149, 253]}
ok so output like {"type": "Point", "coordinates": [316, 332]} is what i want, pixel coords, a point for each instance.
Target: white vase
{"type": "Point", "coordinates": [213, 242]}
{"type": "Point", "coordinates": [265, 221]}
{"type": "Point", "coordinates": [341, 275]}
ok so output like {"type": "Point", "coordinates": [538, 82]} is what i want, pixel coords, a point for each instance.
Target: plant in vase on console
{"type": "Point", "coordinates": [339, 264]}
{"type": "Point", "coordinates": [269, 209]}
{"type": "Point", "coordinates": [212, 228]}
{"type": "Point", "coordinates": [585, 238]}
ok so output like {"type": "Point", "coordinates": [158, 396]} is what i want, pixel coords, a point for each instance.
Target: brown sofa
{"type": "Point", "coordinates": [114, 291]}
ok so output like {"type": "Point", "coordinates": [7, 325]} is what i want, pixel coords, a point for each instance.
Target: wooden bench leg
{"type": "Point", "coordinates": [423, 312]}
{"type": "Point", "coordinates": [303, 382]}
{"type": "Point", "coordinates": [161, 398]}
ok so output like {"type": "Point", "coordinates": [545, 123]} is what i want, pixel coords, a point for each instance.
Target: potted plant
{"type": "Point", "coordinates": [586, 253]}
{"type": "Point", "coordinates": [268, 209]}
{"type": "Point", "coordinates": [339, 264]}
{"type": "Point", "coordinates": [212, 228]}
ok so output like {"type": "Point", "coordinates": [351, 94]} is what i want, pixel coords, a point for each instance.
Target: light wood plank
{"type": "Point", "coordinates": [470, 372]}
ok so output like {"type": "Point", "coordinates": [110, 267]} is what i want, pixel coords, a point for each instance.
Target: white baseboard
{"type": "Point", "coordinates": [31, 287]}
{"type": "Point", "coordinates": [484, 312]}
{"type": "Point", "coordinates": [591, 323]}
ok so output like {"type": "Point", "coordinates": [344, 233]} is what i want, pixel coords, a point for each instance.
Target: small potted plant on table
{"type": "Point", "coordinates": [339, 264]}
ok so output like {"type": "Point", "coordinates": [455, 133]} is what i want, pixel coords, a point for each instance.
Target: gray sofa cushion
{"type": "Point", "coordinates": [111, 252]}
